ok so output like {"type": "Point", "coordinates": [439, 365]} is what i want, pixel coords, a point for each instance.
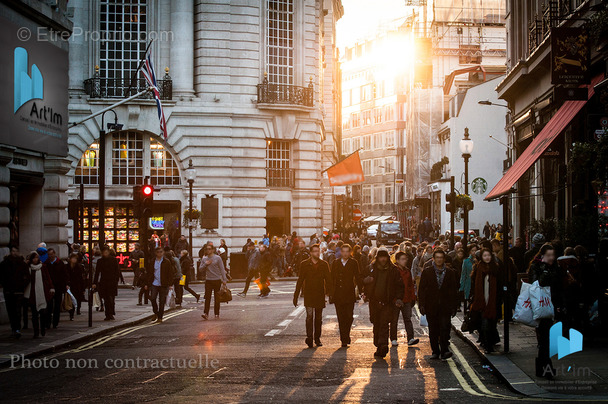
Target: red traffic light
{"type": "Point", "coordinates": [147, 189]}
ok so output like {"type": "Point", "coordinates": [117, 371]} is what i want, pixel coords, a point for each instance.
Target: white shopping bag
{"type": "Point", "coordinates": [423, 321]}
{"type": "Point", "coordinates": [96, 300]}
{"type": "Point", "coordinates": [74, 301]}
{"type": "Point", "coordinates": [523, 309]}
{"type": "Point", "coordinates": [540, 299]}
{"type": "Point", "coordinates": [171, 299]}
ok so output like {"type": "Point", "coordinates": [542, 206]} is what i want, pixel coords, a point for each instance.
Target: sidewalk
{"type": "Point", "coordinates": [582, 375]}
{"type": "Point", "coordinates": [69, 332]}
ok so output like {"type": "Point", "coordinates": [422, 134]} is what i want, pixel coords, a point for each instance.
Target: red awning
{"type": "Point", "coordinates": [552, 129]}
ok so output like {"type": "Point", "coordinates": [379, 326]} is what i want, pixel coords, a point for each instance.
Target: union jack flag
{"type": "Point", "coordinates": [148, 72]}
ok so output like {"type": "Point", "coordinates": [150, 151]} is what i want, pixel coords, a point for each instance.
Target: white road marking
{"type": "Point", "coordinates": [272, 333]}
{"type": "Point", "coordinates": [156, 377]}
{"type": "Point", "coordinates": [217, 371]}
{"type": "Point", "coordinates": [298, 310]}
{"type": "Point", "coordinates": [285, 323]}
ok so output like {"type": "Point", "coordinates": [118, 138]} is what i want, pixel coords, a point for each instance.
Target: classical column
{"type": "Point", "coordinates": [79, 46]}
{"type": "Point", "coordinates": [6, 156]}
{"type": "Point", "coordinates": [182, 48]}
{"type": "Point", "coordinates": [55, 202]}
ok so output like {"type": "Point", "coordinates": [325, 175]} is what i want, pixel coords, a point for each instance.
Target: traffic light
{"type": "Point", "coordinates": [147, 200]}
{"type": "Point", "coordinates": [450, 205]}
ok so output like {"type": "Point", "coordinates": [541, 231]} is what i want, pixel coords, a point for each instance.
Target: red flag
{"type": "Point", "coordinates": [348, 171]}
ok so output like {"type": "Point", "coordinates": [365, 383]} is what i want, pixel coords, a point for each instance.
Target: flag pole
{"type": "Point", "coordinates": [109, 108]}
{"type": "Point", "coordinates": [356, 151]}
{"type": "Point", "coordinates": [141, 62]}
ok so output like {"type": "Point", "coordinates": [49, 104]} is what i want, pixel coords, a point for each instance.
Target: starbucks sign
{"type": "Point", "coordinates": [479, 185]}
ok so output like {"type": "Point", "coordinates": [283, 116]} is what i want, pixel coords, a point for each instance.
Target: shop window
{"type": "Point", "coordinates": [88, 166]}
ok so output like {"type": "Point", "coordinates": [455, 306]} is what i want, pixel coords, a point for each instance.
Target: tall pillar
{"type": "Point", "coordinates": [182, 48]}
{"type": "Point", "coordinates": [79, 46]}
{"type": "Point", "coordinates": [55, 215]}
{"type": "Point", "coordinates": [6, 155]}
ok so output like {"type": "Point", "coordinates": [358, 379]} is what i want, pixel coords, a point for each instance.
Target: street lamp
{"type": "Point", "coordinates": [190, 177]}
{"type": "Point", "coordinates": [466, 147]}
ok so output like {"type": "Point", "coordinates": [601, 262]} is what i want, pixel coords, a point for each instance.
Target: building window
{"type": "Point", "coordinates": [389, 113]}
{"type": "Point", "coordinates": [279, 41]}
{"type": "Point", "coordinates": [389, 164]}
{"type": "Point", "coordinates": [163, 168]}
{"type": "Point", "coordinates": [378, 166]}
{"type": "Point", "coordinates": [127, 158]}
{"type": "Point", "coordinates": [124, 31]}
{"type": "Point", "coordinates": [366, 92]}
{"type": "Point", "coordinates": [366, 194]}
{"type": "Point", "coordinates": [377, 115]}
{"type": "Point", "coordinates": [367, 142]}
{"type": "Point", "coordinates": [388, 193]}
{"type": "Point", "coordinates": [345, 146]}
{"type": "Point", "coordinates": [389, 139]}
{"type": "Point", "coordinates": [367, 117]}
{"type": "Point", "coordinates": [133, 156]}
{"type": "Point", "coordinates": [367, 167]}
{"type": "Point", "coordinates": [88, 166]}
{"type": "Point", "coordinates": [379, 89]}
{"type": "Point", "coordinates": [278, 164]}
{"type": "Point", "coordinates": [346, 98]}
{"type": "Point", "coordinates": [378, 141]}
{"type": "Point", "coordinates": [378, 191]}
{"type": "Point", "coordinates": [356, 143]}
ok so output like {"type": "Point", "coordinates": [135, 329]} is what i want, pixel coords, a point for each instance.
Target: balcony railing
{"type": "Point", "coordinates": [540, 27]}
{"type": "Point", "coordinates": [269, 93]}
{"type": "Point", "coordinates": [99, 87]}
{"type": "Point", "coordinates": [280, 177]}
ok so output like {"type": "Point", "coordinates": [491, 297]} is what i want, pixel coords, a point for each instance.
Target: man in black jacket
{"type": "Point", "coordinates": [14, 277]}
{"type": "Point", "coordinates": [161, 276]}
{"type": "Point", "coordinates": [345, 276]}
{"type": "Point", "coordinates": [384, 288]}
{"type": "Point", "coordinates": [106, 279]}
{"type": "Point", "coordinates": [437, 299]}
{"type": "Point", "coordinates": [61, 280]}
{"type": "Point", "coordinates": [314, 281]}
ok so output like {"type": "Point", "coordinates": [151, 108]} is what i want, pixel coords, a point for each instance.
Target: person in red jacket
{"type": "Point", "coordinates": [409, 299]}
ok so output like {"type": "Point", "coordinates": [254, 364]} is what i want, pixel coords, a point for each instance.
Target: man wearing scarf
{"type": "Point", "coordinates": [385, 289]}
{"type": "Point", "coordinates": [438, 300]}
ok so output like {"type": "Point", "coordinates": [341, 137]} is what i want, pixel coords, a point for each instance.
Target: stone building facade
{"type": "Point", "coordinates": [246, 90]}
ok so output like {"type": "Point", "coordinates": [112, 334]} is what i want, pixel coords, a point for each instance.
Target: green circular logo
{"type": "Point", "coordinates": [479, 185]}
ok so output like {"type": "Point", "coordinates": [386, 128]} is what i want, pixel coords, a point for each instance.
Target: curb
{"type": "Point", "coordinates": [511, 374]}
{"type": "Point", "coordinates": [79, 337]}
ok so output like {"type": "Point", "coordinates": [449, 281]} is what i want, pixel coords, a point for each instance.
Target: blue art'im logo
{"type": "Point", "coordinates": [562, 346]}
{"type": "Point", "coordinates": [26, 87]}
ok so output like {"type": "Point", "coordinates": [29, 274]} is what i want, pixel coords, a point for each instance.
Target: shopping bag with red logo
{"type": "Point", "coordinates": [540, 299]}
{"type": "Point", "coordinates": [523, 309]}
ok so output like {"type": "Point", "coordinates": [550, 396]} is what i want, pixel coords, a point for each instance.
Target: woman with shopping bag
{"type": "Point", "coordinates": [545, 270]}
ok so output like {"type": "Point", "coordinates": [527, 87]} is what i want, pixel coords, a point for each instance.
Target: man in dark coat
{"type": "Point", "coordinates": [438, 300]}
{"type": "Point", "coordinates": [345, 276]}
{"type": "Point", "coordinates": [14, 277]}
{"type": "Point", "coordinates": [161, 276]}
{"type": "Point", "coordinates": [181, 245]}
{"type": "Point", "coordinates": [384, 288]}
{"type": "Point", "coordinates": [518, 253]}
{"type": "Point", "coordinates": [314, 281]}
{"type": "Point", "coordinates": [106, 279]}
{"type": "Point", "coordinates": [61, 280]}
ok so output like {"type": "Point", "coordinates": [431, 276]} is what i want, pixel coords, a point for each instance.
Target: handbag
{"type": "Point", "coordinates": [540, 300]}
{"type": "Point", "coordinates": [74, 301]}
{"type": "Point", "coordinates": [523, 309]}
{"type": "Point", "coordinates": [182, 281]}
{"type": "Point", "coordinates": [96, 300]}
{"type": "Point", "coordinates": [66, 303]}
{"type": "Point", "coordinates": [471, 322]}
{"type": "Point", "coordinates": [170, 302]}
{"type": "Point", "coordinates": [225, 294]}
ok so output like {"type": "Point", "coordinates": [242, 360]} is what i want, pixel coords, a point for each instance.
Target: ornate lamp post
{"type": "Point", "coordinates": [466, 147]}
{"type": "Point", "coordinates": [190, 177]}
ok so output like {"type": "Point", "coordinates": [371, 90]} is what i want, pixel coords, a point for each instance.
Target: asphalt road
{"type": "Point", "coordinates": [255, 352]}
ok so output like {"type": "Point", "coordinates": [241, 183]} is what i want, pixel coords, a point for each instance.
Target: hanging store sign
{"type": "Point", "coordinates": [34, 81]}
{"type": "Point", "coordinates": [570, 56]}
